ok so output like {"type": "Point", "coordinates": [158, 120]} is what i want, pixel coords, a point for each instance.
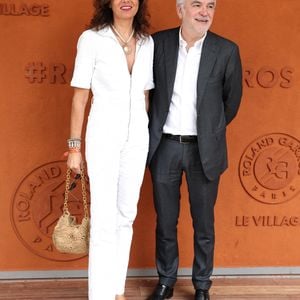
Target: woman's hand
{"type": "Point", "coordinates": [74, 162]}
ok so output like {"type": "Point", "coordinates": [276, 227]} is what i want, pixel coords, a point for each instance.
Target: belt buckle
{"type": "Point", "coordinates": [180, 140]}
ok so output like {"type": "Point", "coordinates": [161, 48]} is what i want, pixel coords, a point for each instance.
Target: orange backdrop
{"type": "Point", "coordinates": [257, 212]}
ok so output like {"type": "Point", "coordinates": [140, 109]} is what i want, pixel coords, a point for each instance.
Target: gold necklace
{"type": "Point", "coordinates": [126, 48]}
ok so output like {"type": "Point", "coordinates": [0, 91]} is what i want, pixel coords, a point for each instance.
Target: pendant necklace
{"type": "Point", "coordinates": [126, 48]}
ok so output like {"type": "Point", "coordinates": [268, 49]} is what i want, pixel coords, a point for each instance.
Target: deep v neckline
{"type": "Point", "coordinates": [136, 51]}
{"type": "Point", "coordinates": [130, 65]}
{"type": "Point", "coordinates": [136, 48]}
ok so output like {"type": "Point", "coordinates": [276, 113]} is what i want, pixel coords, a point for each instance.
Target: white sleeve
{"type": "Point", "coordinates": [150, 83]}
{"type": "Point", "coordinates": [85, 61]}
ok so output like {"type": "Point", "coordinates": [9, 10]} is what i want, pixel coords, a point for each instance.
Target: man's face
{"type": "Point", "coordinates": [196, 16]}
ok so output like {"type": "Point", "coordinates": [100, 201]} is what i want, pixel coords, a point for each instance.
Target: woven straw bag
{"type": "Point", "coordinates": [68, 236]}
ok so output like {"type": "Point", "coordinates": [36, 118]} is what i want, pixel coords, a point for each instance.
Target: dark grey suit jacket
{"type": "Point", "coordinates": [219, 91]}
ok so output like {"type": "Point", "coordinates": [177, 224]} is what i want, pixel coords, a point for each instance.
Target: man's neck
{"type": "Point", "coordinates": [191, 39]}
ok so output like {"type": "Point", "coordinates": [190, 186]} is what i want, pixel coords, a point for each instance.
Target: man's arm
{"type": "Point", "coordinates": [232, 91]}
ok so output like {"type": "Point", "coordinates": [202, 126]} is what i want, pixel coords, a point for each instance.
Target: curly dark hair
{"type": "Point", "coordinates": [103, 16]}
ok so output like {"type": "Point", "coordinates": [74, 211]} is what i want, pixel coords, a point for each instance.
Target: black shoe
{"type": "Point", "coordinates": [201, 295]}
{"type": "Point", "coordinates": [161, 292]}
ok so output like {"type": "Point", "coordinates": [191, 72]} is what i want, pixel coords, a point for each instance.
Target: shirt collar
{"type": "Point", "coordinates": [197, 45]}
{"type": "Point", "coordinates": [107, 32]}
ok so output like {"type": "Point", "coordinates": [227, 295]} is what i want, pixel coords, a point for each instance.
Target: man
{"type": "Point", "coordinates": [198, 88]}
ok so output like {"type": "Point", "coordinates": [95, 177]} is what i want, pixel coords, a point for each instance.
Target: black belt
{"type": "Point", "coordinates": [183, 139]}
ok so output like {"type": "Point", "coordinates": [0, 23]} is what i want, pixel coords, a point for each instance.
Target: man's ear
{"type": "Point", "coordinates": [179, 11]}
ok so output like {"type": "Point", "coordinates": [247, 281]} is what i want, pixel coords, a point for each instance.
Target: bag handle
{"type": "Point", "coordinates": [83, 191]}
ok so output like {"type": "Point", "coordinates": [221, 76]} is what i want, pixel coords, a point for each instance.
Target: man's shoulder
{"type": "Point", "coordinates": [225, 42]}
{"type": "Point", "coordinates": [165, 34]}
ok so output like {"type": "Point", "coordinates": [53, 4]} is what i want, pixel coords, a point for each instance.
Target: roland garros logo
{"type": "Point", "coordinates": [37, 205]}
{"type": "Point", "coordinates": [269, 168]}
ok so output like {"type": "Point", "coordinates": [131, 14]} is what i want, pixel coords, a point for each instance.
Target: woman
{"type": "Point", "coordinates": [114, 60]}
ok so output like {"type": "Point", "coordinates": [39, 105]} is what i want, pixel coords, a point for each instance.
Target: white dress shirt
{"type": "Point", "coordinates": [182, 116]}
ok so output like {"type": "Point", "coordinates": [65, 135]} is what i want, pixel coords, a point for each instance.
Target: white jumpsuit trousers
{"type": "Point", "coordinates": [116, 164]}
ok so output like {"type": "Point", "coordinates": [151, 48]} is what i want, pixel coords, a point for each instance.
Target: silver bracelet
{"type": "Point", "coordinates": [74, 143]}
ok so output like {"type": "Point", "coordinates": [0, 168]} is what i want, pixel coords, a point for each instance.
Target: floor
{"type": "Point", "coordinates": [271, 288]}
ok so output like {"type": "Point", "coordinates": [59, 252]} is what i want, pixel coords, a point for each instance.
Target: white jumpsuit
{"type": "Point", "coordinates": [116, 150]}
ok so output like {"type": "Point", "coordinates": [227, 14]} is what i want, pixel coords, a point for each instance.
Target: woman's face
{"type": "Point", "coordinates": [124, 9]}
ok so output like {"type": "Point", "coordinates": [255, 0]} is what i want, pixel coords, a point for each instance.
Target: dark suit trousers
{"type": "Point", "coordinates": [167, 166]}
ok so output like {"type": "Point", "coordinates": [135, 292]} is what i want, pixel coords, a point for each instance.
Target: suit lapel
{"type": "Point", "coordinates": [171, 46]}
{"type": "Point", "coordinates": [207, 61]}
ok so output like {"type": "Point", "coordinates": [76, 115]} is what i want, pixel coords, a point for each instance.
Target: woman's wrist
{"type": "Point", "coordinates": [74, 145]}
{"type": "Point", "coordinates": [74, 150]}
